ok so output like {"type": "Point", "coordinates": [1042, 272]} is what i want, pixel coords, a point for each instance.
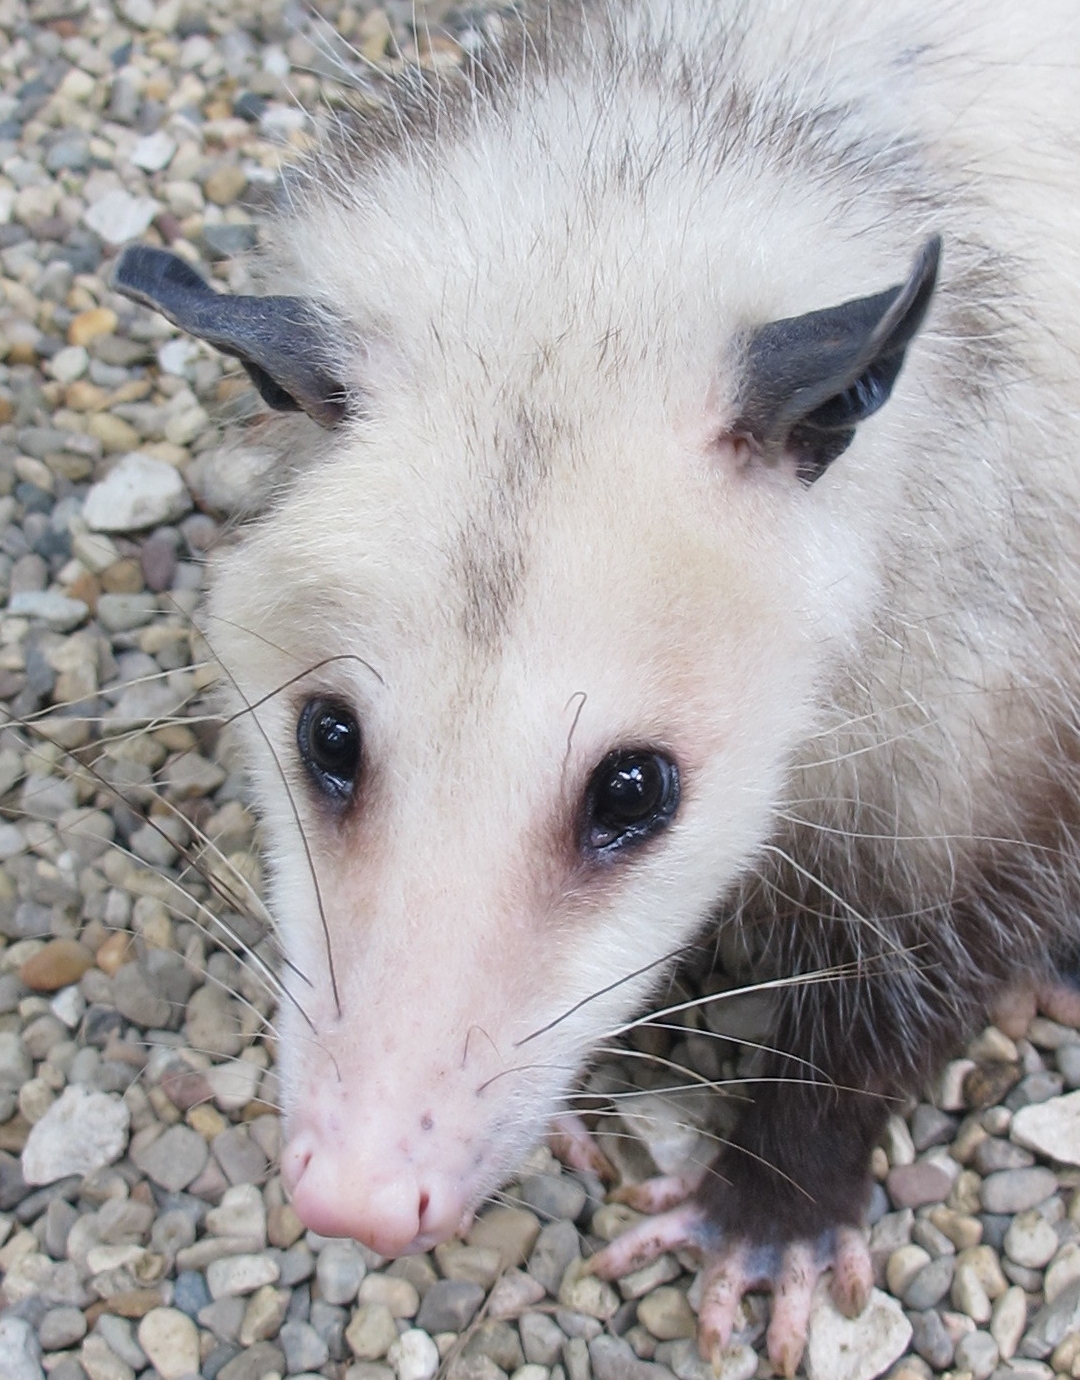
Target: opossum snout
{"type": "Point", "coordinates": [396, 1206]}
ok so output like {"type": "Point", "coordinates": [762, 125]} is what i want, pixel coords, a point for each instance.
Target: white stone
{"type": "Point", "coordinates": [1008, 1321]}
{"type": "Point", "coordinates": [177, 356]}
{"type": "Point", "coordinates": [19, 1350]}
{"type": "Point", "coordinates": [153, 151]}
{"type": "Point", "coordinates": [171, 1341]}
{"type": "Point", "coordinates": [855, 1348]}
{"type": "Point", "coordinates": [82, 1131]}
{"type": "Point", "coordinates": [56, 611]}
{"type": "Point", "coordinates": [414, 1355]}
{"type": "Point", "coordinates": [70, 363]}
{"type": "Point", "coordinates": [240, 1274]}
{"type": "Point", "coordinates": [138, 492]}
{"type": "Point", "coordinates": [118, 216]}
{"type": "Point", "coordinates": [1050, 1128]}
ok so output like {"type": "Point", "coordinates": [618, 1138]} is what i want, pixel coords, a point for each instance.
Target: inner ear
{"type": "Point", "coordinates": [280, 341]}
{"type": "Point", "coordinates": [809, 380]}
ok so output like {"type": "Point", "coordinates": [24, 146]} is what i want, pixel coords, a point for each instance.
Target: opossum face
{"type": "Point", "coordinates": [522, 659]}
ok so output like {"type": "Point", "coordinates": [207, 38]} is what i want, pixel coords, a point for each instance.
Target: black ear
{"type": "Point", "coordinates": [811, 379]}
{"type": "Point", "coordinates": [278, 340]}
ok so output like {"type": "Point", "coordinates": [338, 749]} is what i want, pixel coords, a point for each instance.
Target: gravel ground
{"type": "Point", "coordinates": [143, 1226]}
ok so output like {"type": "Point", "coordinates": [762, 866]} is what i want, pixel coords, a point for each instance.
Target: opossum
{"type": "Point", "coordinates": [679, 530]}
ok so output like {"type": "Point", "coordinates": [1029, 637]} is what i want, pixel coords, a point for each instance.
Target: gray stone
{"type": "Point", "coordinates": [556, 1246]}
{"type": "Point", "coordinates": [930, 1339]}
{"type": "Point", "coordinates": [541, 1338]}
{"type": "Point", "coordinates": [1015, 1190]}
{"type": "Point", "coordinates": [82, 1131]}
{"type": "Point", "coordinates": [613, 1358]}
{"type": "Point", "coordinates": [175, 1159]}
{"type": "Point", "coordinates": [16, 1066]}
{"type": "Point", "coordinates": [304, 1349]}
{"type": "Point", "coordinates": [254, 1362]}
{"type": "Point", "coordinates": [978, 1353]}
{"type": "Point", "coordinates": [930, 1284]}
{"type": "Point", "coordinates": [553, 1196]}
{"type": "Point", "coordinates": [62, 1327]}
{"type": "Point", "coordinates": [136, 998]}
{"type": "Point", "coordinates": [1052, 1323]}
{"type": "Point", "coordinates": [449, 1306]}
{"type": "Point", "coordinates": [339, 1270]}
{"type": "Point", "coordinates": [240, 1156]}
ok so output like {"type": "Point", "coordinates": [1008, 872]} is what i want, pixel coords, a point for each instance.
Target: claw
{"type": "Point", "coordinates": [574, 1145]}
{"type": "Point", "coordinates": [725, 1283]}
{"type": "Point", "coordinates": [853, 1272]}
{"type": "Point", "coordinates": [792, 1291]}
{"type": "Point", "coordinates": [648, 1239]}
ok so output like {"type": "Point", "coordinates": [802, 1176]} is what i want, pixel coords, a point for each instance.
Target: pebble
{"type": "Point", "coordinates": [1008, 1320]}
{"type": "Point", "coordinates": [855, 1348]}
{"type": "Point", "coordinates": [171, 1342]}
{"type": "Point", "coordinates": [1015, 1190]}
{"type": "Point", "coordinates": [60, 963]}
{"type": "Point", "coordinates": [666, 1314]}
{"type": "Point", "coordinates": [138, 492]}
{"type": "Point", "coordinates": [1051, 1128]}
{"type": "Point", "coordinates": [1052, 1323]}
{"type": "Point", "coordinates": [82, 1131]}
{"type": "Point", "coordinates": [55, 611]}
{"type": "Point", "coordinates": [118, 216]}
{"type": "Point", "coordinates": [1030, 1240]}
{"type": "Point", "coordinates": [19, 1351]}
{"type": "Point", "coordinates": [339, 1270]}
{"type": "Point", "coordinates": [174, 1159]}
{"type": "Point", "coordinates": [449, 1306]}
{"type": "Point", "coordinates": [371, 1331]}
{"type": "Point", "coordinates": [240, 1274]}
{"type": "Point", "coordinates": [915, 1185]}
{"type": "Point", "coordinates": [414, 1356]}
{"type": "Point", "coordinates": [556, 1246]}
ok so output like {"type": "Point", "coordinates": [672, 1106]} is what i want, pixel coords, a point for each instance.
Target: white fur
{"type": "Point", "coordinates": [902, 634]}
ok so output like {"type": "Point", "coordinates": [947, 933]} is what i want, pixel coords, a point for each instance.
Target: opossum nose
{"type": "Point", "coordinates": [392, 1213]}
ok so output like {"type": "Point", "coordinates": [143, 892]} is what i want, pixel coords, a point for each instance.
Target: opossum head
{"type": "Point", "coordinates": [521, 661]}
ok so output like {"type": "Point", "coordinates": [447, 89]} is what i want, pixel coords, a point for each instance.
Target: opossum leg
{"type": "Point", "coordinates": [573, 1144]}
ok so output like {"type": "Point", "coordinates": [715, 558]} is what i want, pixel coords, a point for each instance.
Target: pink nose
{"type": "Point", "coordinates": [395, 1211]}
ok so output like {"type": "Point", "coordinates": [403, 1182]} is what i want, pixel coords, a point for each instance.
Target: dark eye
{"type": "Point", "coordinates": [631, 795]}
{"type": "Point", "coordinates": [328, 736]}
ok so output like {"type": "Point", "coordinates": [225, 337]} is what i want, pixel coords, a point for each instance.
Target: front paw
{"type": "Point", "coordinates": [734, 1267]}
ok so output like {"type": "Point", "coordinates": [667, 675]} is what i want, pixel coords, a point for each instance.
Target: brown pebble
{"type": "Point", "coordinates": [129, 1303]}
{"type": "Point", "coordinates": [123, 577]}
{"type": "Point", "coordinates": [86, 588]}
{"type": "Point", "coordinates": [986, 1085]}
{"type": "Point", "coordinates": [7, 410]}
{"type": "Point", "coordinates": [114, 952]}
{"type": "Point", "coordinates": [84, 396]}
{"type": "Point", "coordinates": [225, 184]}
{"type": "Point", "coordinates": [88, 325]}
{"type": "Point", "coordinates": [283, 1227]}
{"type": "Point", "coordinates": [60, 963]}
{"type": "Point", "coordinates": [13, 1134]}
